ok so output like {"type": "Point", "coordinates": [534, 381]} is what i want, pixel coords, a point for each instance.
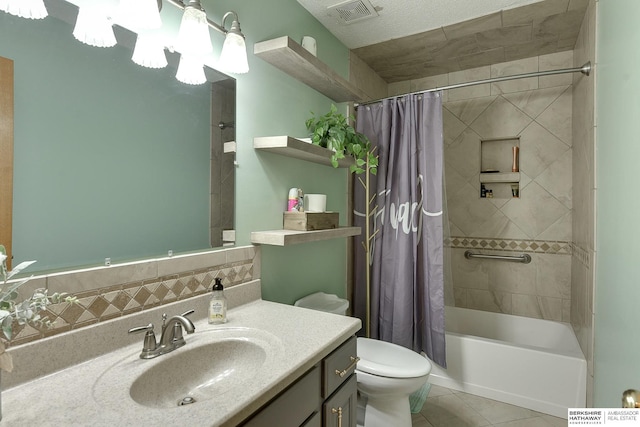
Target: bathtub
{"type": "Point", "coordinates": [532, 363]}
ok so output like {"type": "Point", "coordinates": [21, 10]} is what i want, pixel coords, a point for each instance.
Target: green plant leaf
{"type": "Point", "coordinates": [17, 269]}
{"type": "Point", "coordinates": [7, 323]}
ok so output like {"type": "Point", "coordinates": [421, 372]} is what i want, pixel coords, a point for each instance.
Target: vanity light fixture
{"type": "Point", "coordinates": [143, 16]}
{"type": "Point", "coordinates": [149, 52]}
{"type": "Point", "coordinates": [191, 70]}
{"type": "Point", "coordinates": [139, 15]}
{"type": "Point", "coordinates": [233, 58]}
{"type": "Point", "coordinates": [94, 28]}
{"type": "Point", "coordinates": [31, 9]}
{"type": "Point", "coordinates": [193, 36]}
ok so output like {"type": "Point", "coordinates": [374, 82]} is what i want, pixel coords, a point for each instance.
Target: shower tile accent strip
{"type": "Point", "coordinates": [118, 300]}
{"type": "Point", "coordinates": [582, 255]}
{"type": "Point", "coordinates": [508, 245]}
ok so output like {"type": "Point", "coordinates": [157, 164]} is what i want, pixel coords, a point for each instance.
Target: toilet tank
{"type": "Point", "coordinates": [321, 301]}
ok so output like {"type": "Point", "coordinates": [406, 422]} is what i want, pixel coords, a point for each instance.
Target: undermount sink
{"type": "Point", "coordinates": [212, 363]}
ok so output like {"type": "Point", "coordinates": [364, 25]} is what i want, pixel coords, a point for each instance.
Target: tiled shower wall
{"type": "Point", "coordinates": [584, 194]}
{"type": "Point", "coordinates": [223, 110]}
{"type": "Point", "coordinates": [539, 111]}
{"type": "Point", "coordinates": [105, 293]}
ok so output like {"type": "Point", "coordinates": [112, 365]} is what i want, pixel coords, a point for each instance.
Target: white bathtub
{"type": "Point", "coordinates": [536, 364]}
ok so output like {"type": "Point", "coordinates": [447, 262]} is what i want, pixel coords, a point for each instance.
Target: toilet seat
{"type": "Point", "coordinates": [390, 360]}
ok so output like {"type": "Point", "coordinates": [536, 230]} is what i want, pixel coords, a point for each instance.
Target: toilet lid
{"type": "Point", "coordinates": [390, 360]}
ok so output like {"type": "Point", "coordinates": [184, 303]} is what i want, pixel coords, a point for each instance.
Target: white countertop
{"type": "Point", "coordinates": [74, 396]}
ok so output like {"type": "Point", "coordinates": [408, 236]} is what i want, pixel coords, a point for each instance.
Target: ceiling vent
{"type": "Point", "coordinates": [352, 11]}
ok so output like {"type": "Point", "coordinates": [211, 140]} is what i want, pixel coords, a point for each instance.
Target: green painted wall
{"type": "Point", "coordinates": [272, 103]}
{"type": "Point", "coordinates": [617, 297]}
{"type": "Point", "coordinates": [269, 102]}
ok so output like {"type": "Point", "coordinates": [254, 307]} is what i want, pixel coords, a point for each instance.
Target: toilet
{"type": "Point", "coordinates": [386, 373]}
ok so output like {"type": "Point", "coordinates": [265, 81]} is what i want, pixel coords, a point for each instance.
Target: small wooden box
{"type": "Point", "coordinates": [310, 221]}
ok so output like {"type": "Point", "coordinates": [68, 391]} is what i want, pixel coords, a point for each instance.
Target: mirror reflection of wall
{"type": "Point", "coordinates": [223, 156]}
{"type": "Point", "coordinates": [111, 160]}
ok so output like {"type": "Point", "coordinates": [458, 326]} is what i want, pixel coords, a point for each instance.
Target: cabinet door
{"type": "Point", "coordinates": [340, 409]}
{"type": "Point", "coordinates": [314, 421]}
{"type": "Point", "coordinates": [294, 406]}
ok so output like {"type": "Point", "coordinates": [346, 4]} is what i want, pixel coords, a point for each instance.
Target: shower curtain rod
{"type": "Point", "coordinates": [585, 69]}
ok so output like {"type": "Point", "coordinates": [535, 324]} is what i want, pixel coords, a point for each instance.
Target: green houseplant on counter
{"type": "Point", "coordinates": [21, 312]}
{"type": "Point", "coordinates": [334, 132]}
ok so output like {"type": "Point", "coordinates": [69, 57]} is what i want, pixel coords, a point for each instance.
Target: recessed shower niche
{"type": "Point", "coordinates": [500, 168]}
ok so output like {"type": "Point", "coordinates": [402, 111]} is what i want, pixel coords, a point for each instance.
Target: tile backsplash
{"type": "Point", "coordinates": [105, 293]}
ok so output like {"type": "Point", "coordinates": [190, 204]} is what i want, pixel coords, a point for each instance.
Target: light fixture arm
{"type": "Point", "coordinates": [180, 4]}
{"type": "Point", "coordinates": [235, 25]}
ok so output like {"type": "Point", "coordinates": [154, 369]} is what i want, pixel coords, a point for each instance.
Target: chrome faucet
{"type": "Point", "coordinates": [170, 339]}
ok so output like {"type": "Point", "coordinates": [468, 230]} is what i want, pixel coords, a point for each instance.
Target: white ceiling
{"type": "Point", "coordinates": [400, 18]}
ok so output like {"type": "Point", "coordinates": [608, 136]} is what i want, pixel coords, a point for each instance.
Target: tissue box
{"type": "Point", "coordinates": [310, 221]}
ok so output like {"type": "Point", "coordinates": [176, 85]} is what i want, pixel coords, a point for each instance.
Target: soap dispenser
{"type": "Point", "coordinates": [218, 304]}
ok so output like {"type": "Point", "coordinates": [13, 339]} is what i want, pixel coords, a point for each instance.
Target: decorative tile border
{"type": "Point", "coordinates": [582, 255]}
{"type": "Point", "coordinates": [119, 300]}
{"type": "Point", "coordinates": [509, 245]}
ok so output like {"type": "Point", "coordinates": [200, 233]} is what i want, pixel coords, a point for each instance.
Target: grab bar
{"type": "Point", "coordinates": [524, 258]}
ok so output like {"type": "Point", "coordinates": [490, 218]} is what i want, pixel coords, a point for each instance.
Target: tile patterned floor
{"type": "Point", "coordinates": [451, 408]}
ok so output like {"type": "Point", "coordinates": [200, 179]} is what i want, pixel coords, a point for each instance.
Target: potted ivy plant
{"type": "Point", "coordinates": [334, 132]}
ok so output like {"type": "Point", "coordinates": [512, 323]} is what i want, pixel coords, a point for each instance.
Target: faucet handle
{"type": "Point", "coordinates": [186, 313]}
{"type": "Point", "coordinates": [149, 327]}
{"type": "Point", "coordinates": [149, 345]}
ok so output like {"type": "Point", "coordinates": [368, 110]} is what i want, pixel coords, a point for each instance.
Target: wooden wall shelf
{"type": "Point", "coordinates": [292, 237]}
{"type": "Point", "coordinates": [292, 147]}
{"type": "Point", "coordinates": [293, 59]}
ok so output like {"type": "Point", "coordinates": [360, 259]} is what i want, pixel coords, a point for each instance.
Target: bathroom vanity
{"type": "Point", "coordinates": [325, 396]}
{"type": "Point", "coordinates": [271, 364]}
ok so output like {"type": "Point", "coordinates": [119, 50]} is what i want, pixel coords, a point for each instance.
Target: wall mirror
{"type": "Point", "coordinates": [113, 160]}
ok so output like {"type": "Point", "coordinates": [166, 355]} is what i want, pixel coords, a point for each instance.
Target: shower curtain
{"type": "Point", "coordinates": [407, 283]}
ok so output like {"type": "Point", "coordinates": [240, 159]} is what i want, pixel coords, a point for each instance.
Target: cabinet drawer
{"type": "Point", "coordinates": [293, 406]}
{"type": "Point", "coordinates": [340, 409]}
{"type": "Point", "coordinates": [337, 367]}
